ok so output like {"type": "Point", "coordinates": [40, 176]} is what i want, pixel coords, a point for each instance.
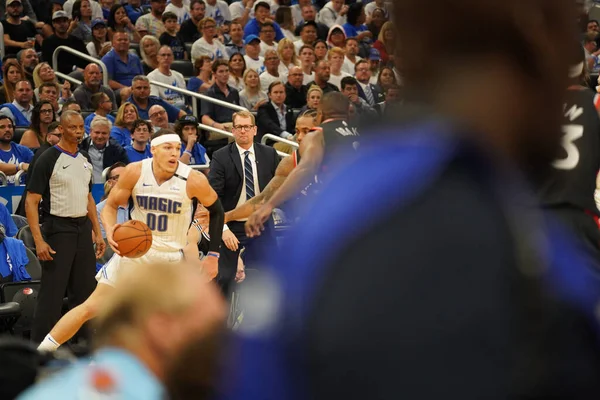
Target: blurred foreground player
{"type": "Point", "coordinates": [134, 359]}
{"type": "Point", "coordinates": [568, 192]}
{"type": "Point", "coordinates": [441, 280]}
{"type": "Point", "coordinates": [163, 191]}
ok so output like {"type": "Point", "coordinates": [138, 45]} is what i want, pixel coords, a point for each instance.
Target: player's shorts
{"type": "Point", "coordinates": [108, 274]}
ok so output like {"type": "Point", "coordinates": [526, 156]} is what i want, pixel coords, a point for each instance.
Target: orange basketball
{"type": "Point", "coordinates": [134, 239]}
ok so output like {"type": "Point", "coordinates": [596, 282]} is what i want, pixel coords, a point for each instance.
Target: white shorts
{"type": "Point", "coordinates": [109, 272]}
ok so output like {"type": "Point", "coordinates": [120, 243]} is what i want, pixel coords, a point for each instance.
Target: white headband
{"type": "Point", "coordinates": [168, 138]}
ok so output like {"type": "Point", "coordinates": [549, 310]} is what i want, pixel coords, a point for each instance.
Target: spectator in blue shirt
{"type": "Point", "coordinates": [102, 106]}
{"type": "Point", "coordinates": [192, 152]}
{"type": "Point", "coordinates": [262, 14]}
{"type": "Point", "coordinates": [13, 156]}
{"type": "Point", "coordinates": [134, 10]}
{"type": "Point", "coordinates": [355, 27]}
{"type": "Point", "coordinates": [140, 97]}
{"type": "Point", "coordinates": [139, 149]}
{"type": "Point", "coordinates": [7, 221]}
{"type": "Point", "coordinates": [121, 130]}
{"type": "Point", "coordinates": [122, 65]}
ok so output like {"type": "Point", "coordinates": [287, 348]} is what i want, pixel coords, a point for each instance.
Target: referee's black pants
{"type": "Point", "coordinates": [72, 269]}
{"type": "Point", "coordinates": [253, 255]}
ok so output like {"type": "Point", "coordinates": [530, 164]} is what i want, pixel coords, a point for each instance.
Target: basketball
{"type": "Point", "coordinates": [134, 239]}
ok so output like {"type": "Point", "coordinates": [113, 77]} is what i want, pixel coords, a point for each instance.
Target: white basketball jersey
{"type": "Point", "coordinates": [166, 208]}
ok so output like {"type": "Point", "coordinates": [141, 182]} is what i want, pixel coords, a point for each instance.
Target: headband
{"type": "Point", "coordinates": [168, 138]}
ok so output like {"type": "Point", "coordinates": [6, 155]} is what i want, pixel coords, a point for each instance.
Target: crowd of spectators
{"type": "Point", "coordinates": [272, 57]}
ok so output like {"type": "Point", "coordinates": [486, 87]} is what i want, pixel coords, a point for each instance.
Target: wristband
{"type": "Point", "coordinates": [213, 254]}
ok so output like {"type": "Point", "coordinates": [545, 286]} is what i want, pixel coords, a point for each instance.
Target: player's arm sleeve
{"type": "Point", "coordinates": [215, 226]}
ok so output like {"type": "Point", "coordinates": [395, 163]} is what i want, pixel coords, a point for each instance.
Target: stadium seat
{"type": "Point", "coordinates": [86, 113]}
{"type": "Point", "coordinates": [9, 314]}
{"type": "Point", "coordinates": [24, 235]}
{"type": "Point", "coordinates": [19, 131]}
{"type": "Point", "coordinates": [33, 267]}
{"type": "Point", "coordinates": [19, 221]}
{"type": "Point", "coordinates": [105, 174]}
{"type": "Point", "coordinates": [3, 179]}
{"type": "Point", "coordinates": [188, 48]}
{"type": "Point", "coordinates": [185, 67]}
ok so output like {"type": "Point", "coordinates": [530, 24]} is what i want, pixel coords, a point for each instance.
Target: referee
{"type": "Point", "coordinates": [62, 179]}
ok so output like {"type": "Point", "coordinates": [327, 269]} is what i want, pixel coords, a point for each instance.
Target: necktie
{"type": "Point", "coordinates": [369, 95]}
{"type": "Point", "coordinates": [248, 175]}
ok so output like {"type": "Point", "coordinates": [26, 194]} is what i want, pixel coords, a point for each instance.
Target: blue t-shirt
{"type": "Point", "coordinates": [7, 221]}
{"type": "Point", "coordinates": [198, 154]}
{"type": "Point", "coordinates": [121, 135]}
{"type": "Point", "coordinates": [132, 13]}
{"type": "Point", "coordinates": [352, 31]}
{"type": "Point", "coordinates": [133, 155]}
{"type": "Point", "coordinates": [13, 259]}
{"type": "Point", "coordinates": [194, 84]}
{"type": "Point", "coordinates": [90, 118]}
{"type": "Point", "coordinates": [171, 110]}
{"type": "Point", "coordinates": [253, 28]}
{"type": "Point", "coordinates": [120, 71]}
{"type": "Point", "coordinates": [16, 155]}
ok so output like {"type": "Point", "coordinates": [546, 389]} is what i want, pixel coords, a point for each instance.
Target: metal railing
{"type": "Point", "coordinates": [3, 179]}
{"type": "Point", "coordinates": [68, 78]}
{"type": "Point", "coordinates": [275, 138]}
{"type": "Point", "coordinates": [199, 96]}
{"type": "Point", "coordinates": [18, 177]}
{"type": "Point", "coordinates": [80, 55]}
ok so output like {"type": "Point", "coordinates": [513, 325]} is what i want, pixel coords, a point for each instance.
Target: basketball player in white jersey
{"type": "Point", "coordinates": [162, 190]}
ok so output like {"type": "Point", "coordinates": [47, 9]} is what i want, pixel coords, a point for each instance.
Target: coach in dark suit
{"type": "Point", "coordinates": [275, 116]}
{"type": "Point", "coordinates": [238, 172]}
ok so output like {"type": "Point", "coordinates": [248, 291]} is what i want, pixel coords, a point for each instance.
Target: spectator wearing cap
{"type": "Point", "coordinates": [355, 27]}
{"type": "Point", "coordinates": [192, 152]}
{"type": "Point", "coordinates": [28, 12]}
{"type": "Point", "coordinates": [67, 62]}
{"type": "Point", "coordinates": [19, 32]}
{"type": "Point", "coordinates": [81, 21]}
{"type": "Point", "coordinates": [272, 70]}
{"type": "Point", "coordinates": [151, 23]}
{"type": "Point", "coordinates": [166, 75]}
{"type": "Point", "coordinates": [99, 45]}
{"type": "Point", "coordinates": [92, 84]}
{"type": "Point", "coordinates": [373, 94]}
{"type": "Point", "coordinates": [13, 156]}
{"type": "Point", "coordinates": [322, 73]}
{"type": "Point", "coordinates": [309, 13]}
{"type": "Point", "coordinates": [141, 98]}
{"type": "Point", "coordinates": [28, 59]}
{"type": "Point", "coordinates": [189, 28]}
{"type": "Point", "coordinates": [207, 45]}
{"type": "Point", "coordinates": [122, 66]}
{"type": "Point", "coordinates": [275, 116]}
{"type": "Point", "coordinates": [308, 36]}
{"type": "Point", "coordinates": [374, 64]}
{"type": "Point", "coordinates": [214, 115]}
{"type": "Point", "coordinates": [295, 91]}
{"type": "Point", "coordinates": [96, 9]}
{"type": "Point", "coordinates": [103, 151]}
{"type": "Point", "coordinates": [252, 57]}
{"type": "Point", "coordinates": [333, 13]}
{"type": "Point", "coordinates": [19, 111]}
{"type": "Point", "coordinates": [139, 149]}
{"type": "Point", "coordinates": [262, 14]}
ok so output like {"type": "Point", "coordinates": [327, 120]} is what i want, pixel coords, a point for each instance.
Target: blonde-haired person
{"type": "Point", "coordinates": [134, 339]}
{"type": "Point", "coordinates": [12, 72]}
{"type": "Point", "coordinates": [149, 46]}
{"type": "Point", "coordinates": [385, 43]}
{"type": "Point", "coordinates": [336, 56]}
{"type": "Point", "coordinates": [121, 130]}
{"type": "Point", "coordinates": [43, 73]}
{"type": "Point", "coordinates": [252, 96]}
{"type": "Point", "coordinates": [287, 54]}
{"type": "Point", "coordinates": [313, 99]}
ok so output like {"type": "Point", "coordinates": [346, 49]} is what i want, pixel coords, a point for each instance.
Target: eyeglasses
{"type": "Point", "coordinates": [161, 112]}
{"type": "Point", "coordinates": [46, 111]}
{"type": "Point", "coordinates": [246, 128]}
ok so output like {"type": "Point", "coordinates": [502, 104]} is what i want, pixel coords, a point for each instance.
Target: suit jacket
{"type": "Point", "coordinates": [226, 174]}
{"type": "Point", "coordinates": [377, 91]}
{"type": "Point", "coordinates": [268, 122]}
{"type": "Point", "coordinates": [113, 153]}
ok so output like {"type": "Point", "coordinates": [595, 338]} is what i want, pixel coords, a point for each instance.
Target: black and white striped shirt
{"type": "Point", "coordinates": [64, 180]}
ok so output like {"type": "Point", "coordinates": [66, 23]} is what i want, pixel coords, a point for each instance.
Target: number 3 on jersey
{"type": "Point", "coordinates": [572, 133]}
{"type": "Point", "coordinates": [157, 223]}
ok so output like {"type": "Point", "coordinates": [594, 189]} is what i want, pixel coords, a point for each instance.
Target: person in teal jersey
{"type": "Point", "coordinates": [138, 356]}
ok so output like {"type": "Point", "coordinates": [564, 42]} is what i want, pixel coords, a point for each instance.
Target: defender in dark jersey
{"type": "Point", "coordinates": [569, 190]}
{"type": "Point", "coordinates": [333, 131]}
